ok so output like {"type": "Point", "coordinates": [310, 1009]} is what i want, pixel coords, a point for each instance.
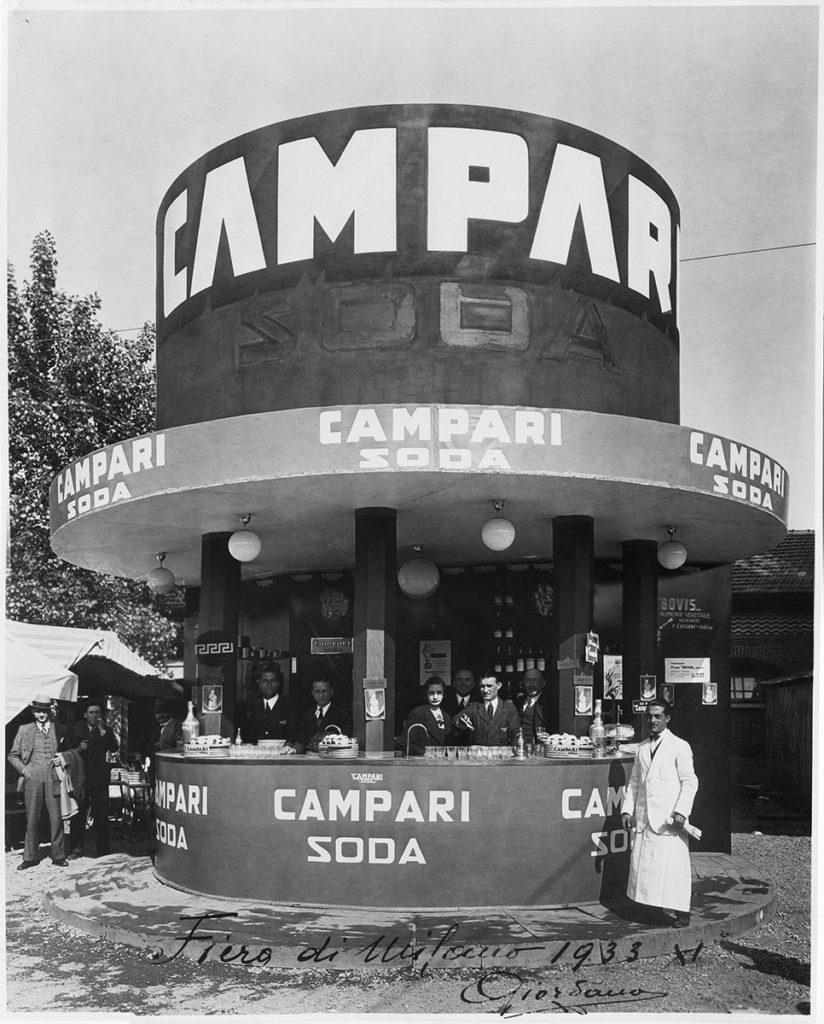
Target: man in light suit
{"type": "Point", "coordinates": [33, 754]}
{"type": "Point", "coordinates": [491, 721]}
{"type": "Point", "coordinates": [660, 795]}
{"type": "Point", "coordinates": [433, 724]}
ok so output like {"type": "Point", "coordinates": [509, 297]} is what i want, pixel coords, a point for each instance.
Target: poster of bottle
{"type": "Point", "coordinates": [583, 700]}
{"type": "Point", "coordinates": [435, 660]}
{"type": "Point", "coordinates": [374, 700]}
{"type": "Point", "coordinates": [613, 677]}
{"type": "Point", "coordinates": [212, 698]}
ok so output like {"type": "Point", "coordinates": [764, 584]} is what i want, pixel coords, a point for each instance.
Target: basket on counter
{"type": "Point", "coordinates": [337, 745]}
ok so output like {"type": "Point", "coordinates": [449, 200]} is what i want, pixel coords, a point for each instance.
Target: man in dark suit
{"type": "Point", "coordinates": [491, 721]}
{"type": "Point", "coordinates": [428, 724]}
{"type": "Point", "coordinates": [269, 716]}
{"type": "Point", "coordinates": [326, 712]}
{"type": "Point", "coordinates": [531, 705]}
{"type": "Point", "coordinates": [33, 752]}
{"type": "Point", "coordinates": [94, 740]}
{"type": "Point", "coordinates": [461, 693]}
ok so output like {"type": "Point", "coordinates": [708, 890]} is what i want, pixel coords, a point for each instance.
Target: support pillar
{"type": "Point", "coordinates": [219, 611]}
{"type": "Point", "coordinates": [374, 624]}
{"type": "Point", "coordinates": [639, 620]}
{"type": "Point", "coordinates": [573, 545]}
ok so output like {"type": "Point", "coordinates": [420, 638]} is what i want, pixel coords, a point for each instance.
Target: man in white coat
{"type": "Point", "coordinates": [660, 794]}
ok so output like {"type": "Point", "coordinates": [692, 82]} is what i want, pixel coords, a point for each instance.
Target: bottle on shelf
{"type": "Point", "coordinates": [498, 628]}
{"type": "Point", "coordinates": [509, 663]}
{"type": "Point", "coordinates": [509, 630]}
{"type": "Point", "coordinates": [519, 661]}
{"type": "Point", "coordinates": [597, 732]}
{"type": "Point", "coordinates": [190, 729]}
{"type": "Point", "coordinates": [499, 663]}
{"type": "Point", "coordinates": [529, 661]}
{"type": "Point", "coordinates": [540, 660]}
{"type": "Point", "coordinates": [244, 645]}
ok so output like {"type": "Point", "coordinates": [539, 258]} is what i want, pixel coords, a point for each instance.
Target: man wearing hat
{"type": "Point", "coordinates": [94, 739]}
{"type": "Point", "coordinates": [32, 754]}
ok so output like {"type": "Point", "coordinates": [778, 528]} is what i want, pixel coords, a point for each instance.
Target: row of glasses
{"type": "Point", "coordinates": [477, 753]}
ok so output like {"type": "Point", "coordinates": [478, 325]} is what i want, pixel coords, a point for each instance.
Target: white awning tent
{"type": "Point", "coordinates": [29, 673]}
{"type": "Point", "coordinates": [102, 661]}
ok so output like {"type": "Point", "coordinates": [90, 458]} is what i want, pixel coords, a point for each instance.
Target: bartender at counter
{"type": "Point", "coordinates": [269, 716]}
{"type": "Point", "coordinates": [491, 721]}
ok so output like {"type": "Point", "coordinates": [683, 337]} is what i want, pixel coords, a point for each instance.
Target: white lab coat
{"type": "Point", "coordinates": [660, 873]}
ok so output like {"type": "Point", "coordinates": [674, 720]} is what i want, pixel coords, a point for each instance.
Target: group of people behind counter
{"type": "Point", "coordinates": [464, 714]}
{"type": "Point", "coordinates": [468, 716]}
{"type": "Point", "coordinates": [271, 716]}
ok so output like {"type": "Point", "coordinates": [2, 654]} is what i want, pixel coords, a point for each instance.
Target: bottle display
{"type": "Point", "coordinates": [190, 729]}
{"type": "Point", "coordinates": [597, 732]}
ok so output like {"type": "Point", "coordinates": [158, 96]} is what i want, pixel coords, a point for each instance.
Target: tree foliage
{"type": "Point", "coordinates": [73, 387]}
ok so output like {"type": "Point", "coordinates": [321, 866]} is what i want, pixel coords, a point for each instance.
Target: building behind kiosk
{"type": "Point", "coordinates": [373, 324]}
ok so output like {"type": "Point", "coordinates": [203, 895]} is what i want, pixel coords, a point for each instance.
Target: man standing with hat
{"type": "Point", "coordinates": [94, 740]}
{"type": "Point", "coordinates": [32, 754]}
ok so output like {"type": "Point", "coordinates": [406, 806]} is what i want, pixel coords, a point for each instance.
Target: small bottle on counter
{"type": "Point", "coordinates": [238, 739]}
{"type": "Point", "coordinates": [190, 728]}
{"type": "Point", "coordinates": [597, 732]}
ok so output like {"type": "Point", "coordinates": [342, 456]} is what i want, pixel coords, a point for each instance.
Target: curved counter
{"type": "Point", "coordinates": [393, 833]}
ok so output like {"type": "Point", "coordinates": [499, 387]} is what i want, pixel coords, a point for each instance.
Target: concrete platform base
{"type": "Point", "coordinates": [119, 898]}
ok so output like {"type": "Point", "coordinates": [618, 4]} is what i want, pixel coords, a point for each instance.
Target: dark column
{"type": "Point", "coordinates": [374, 622]}
{"type": "Point", "coordinates": [573, 542]}
{"type": "Point", "coordinates": [639, 620]}
{"type": "Point", "coordinates": [219, 610]}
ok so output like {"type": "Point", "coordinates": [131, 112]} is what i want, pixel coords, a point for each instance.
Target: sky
{"type": "Point", "coordinates": [105, 107]}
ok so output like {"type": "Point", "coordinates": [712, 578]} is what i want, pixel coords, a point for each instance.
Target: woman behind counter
{"type": "Point", "coordinates": [428, 724]}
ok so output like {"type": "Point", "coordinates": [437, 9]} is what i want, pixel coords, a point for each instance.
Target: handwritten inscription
{"type": "Point", "coordinates": [515, 996]}
{"type": "Point", "coordinates": [442, 947]}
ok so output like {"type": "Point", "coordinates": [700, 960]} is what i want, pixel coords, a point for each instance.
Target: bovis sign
{"type": "Point", "coordinates": [431, 239]}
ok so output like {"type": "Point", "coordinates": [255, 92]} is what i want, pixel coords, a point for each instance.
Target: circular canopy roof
{"type": "Point", "coordinates": [302, 473]}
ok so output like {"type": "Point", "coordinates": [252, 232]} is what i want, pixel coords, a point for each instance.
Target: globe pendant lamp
{"type": "Point", "coordinates": [672, 554]}
{"type": "Point", "coordinates": [418, 577]}
{"type": "Point", "coordinates": [160, 580]}
{"type": "Point", "coordinates": [244, 545]}
{"type": "Point", "coordinates": [498, 533]}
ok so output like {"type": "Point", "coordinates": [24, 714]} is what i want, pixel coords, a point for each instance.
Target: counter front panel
{"type": "Point", "coordinates": [393, 833]}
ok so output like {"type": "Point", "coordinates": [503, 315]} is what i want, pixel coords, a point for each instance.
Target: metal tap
{"type": "Point", "coordinates": [414, 725]}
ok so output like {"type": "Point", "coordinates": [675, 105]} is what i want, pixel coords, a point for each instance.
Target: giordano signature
{"type": "Point", "coordinates": [513, 996]}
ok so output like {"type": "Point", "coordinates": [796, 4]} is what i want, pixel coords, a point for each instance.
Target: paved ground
{"type": "Point", "coordinates": [53, 968]}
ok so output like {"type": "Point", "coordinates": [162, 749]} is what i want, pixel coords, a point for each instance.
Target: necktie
{"type": "Point", "coordinates": [319, 713]}
{"type": "Point", "coordinates": [489, 710]}
{"type": "Point", "coordinates": [653, 750]}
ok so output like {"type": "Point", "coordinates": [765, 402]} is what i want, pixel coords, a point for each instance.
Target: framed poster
{"type": "Point", "coordinates": [583, 700]}
{"type": "Point", "coordinates": [436, 660]}
{"type": "Point", "coordinates": [212, 699]}
{"type": "Point", "coordinates": [613, 677]}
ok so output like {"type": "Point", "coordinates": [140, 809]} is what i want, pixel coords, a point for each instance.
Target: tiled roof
{"type": "Point", "coordinates": [788, 568]}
